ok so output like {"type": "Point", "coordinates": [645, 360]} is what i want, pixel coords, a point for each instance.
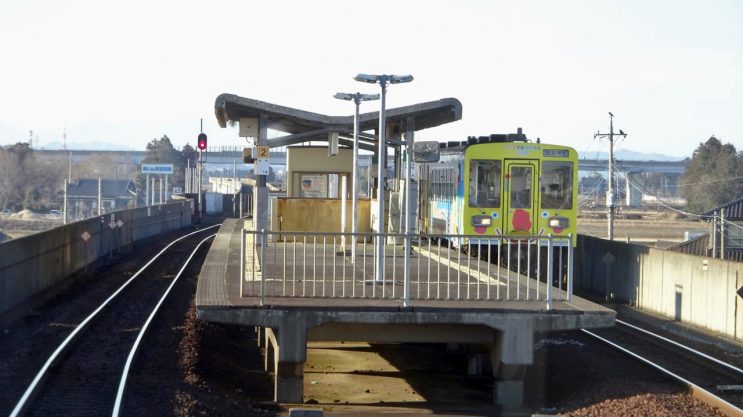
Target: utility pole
{"type": "Point", "coordinates": [610, 197]}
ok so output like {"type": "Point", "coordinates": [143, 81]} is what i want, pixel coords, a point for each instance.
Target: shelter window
{"type": "Point", "coordinates": [320, 184]}
{"type": "Point", "coordinates": [484, 186]}
{"type": "Point", "coordinates": [557, 185]}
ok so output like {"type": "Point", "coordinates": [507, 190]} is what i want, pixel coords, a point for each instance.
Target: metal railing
{"type": "Point", "coordinates": [321, 265]}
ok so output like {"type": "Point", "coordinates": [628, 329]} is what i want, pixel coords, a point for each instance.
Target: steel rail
{"type": "Point", "coordinates": [23, 403]}
{"type": "Point", "coordinates": [702, 394]}
{"type": "Point", "coordinates": [132, 353]}
{"type": "Point", "coordinates": [696, 352]}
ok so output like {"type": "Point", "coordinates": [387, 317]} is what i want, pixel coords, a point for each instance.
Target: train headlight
{"type": "Point", "coordinates": [559, 222]}
{"type": "Point", "coordinates": [482, 221]}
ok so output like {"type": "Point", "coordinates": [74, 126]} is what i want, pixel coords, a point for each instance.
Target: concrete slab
{"type": "Point", "coordinates": [477, 307]}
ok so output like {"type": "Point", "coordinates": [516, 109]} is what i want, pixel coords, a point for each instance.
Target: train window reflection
{"type": "Point", "coordinates": [484, 185]}
{"type": "Point", "coordinates": [557, 185]}
{"type": "Point", "coordinates": [520, 183]}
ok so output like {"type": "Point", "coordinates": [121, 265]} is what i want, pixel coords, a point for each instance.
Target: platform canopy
{"type": "Point", "coordinates": [302, 126]}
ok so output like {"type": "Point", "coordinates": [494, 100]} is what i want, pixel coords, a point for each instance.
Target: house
{"type": "Point", "coordinates": [725, 238]}
{"type": "Point", "coordinates": [82, 196]}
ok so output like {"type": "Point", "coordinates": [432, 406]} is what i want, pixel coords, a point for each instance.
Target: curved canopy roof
{"type": "Point", "coordinates": [303, 125]}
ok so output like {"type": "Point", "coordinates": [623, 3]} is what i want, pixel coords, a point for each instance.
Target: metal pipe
{"type": "Point", "coordinates": [64, 207]}
{"type": "Point", "coordinates": [549, 271]}
{"type": "Point", "coordinates": [242, 262]}
{"type": "Point", "coordinates": [100, 197]}
{"type": "Point", "coordinates": [570, 267]}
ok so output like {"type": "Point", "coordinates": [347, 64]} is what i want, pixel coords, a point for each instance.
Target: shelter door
{"type": "Point", "coordinates": [520, 197]}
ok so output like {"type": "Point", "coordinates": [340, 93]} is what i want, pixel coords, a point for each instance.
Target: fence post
{"type": "Point", "coordinates": [550, 261]}
{"type": "Point", "coordinates": [406, 278]}
{"type": "Point", "coordinates": [262, 268]}
{"type": "Point", "coordinates": [242, 261]}
{"type": "Point", "coordinates": [570, 267]}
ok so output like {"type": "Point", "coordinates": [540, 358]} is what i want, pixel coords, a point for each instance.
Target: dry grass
{"type": "Point", "coordinates": [648, 227]}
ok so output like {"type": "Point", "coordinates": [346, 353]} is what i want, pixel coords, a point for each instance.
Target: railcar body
{"type": "Point", "coordinates": [500, 185]}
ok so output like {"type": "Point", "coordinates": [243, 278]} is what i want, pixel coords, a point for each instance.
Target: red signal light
{"type": "Point", "coordinates": [201, 141]}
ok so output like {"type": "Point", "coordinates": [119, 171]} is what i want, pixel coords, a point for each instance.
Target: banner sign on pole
{"type": "Point", "coordinates": [157, 169]}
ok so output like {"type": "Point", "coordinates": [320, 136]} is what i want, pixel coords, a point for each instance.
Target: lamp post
{"type": "Point", "coordinates": [357, 99]}
{"type": "Point", "coordinates": [383, 80]}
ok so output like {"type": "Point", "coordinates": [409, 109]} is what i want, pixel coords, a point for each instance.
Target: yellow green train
{"type": "Point", "coordinates": [499, 185]}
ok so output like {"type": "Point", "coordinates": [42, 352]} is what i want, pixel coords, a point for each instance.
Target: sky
{"type": "Point", "coordinates": [126, 72]}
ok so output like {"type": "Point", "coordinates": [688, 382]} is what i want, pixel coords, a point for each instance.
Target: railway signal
{"type": "Point", "coordinates": [201, 141]}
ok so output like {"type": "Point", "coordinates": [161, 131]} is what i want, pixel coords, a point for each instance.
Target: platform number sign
{"type": "Point", "coordinates": [263, 152]}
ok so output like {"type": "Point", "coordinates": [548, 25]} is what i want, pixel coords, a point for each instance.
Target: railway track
{"type": "Point", "coordinates": [716, 383]}
{"type": "Point", "coordinates": [86, 373]}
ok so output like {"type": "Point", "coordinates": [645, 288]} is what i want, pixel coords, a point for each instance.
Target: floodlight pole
{"type": "Point", "coordinates": [355, 184]}
{"type": "Point", "coordinates": [383, 80]}
{"type": "Point", "coordinates": [381, 162]}
{"type": "Point", "coordinates": [357, 98]}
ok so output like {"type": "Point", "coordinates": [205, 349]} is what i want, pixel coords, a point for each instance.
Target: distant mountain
{"type": "Point", "coordinates": [628, 155]}
{"type": "Point", "coordinates": [88, 146]}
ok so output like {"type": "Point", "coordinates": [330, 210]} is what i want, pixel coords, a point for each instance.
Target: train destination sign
{"type": "Point", "coordinates": [157, 168]}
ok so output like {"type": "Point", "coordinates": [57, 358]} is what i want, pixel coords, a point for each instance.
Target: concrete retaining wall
{"type": "Point", "coordinates": [33, 264]}
{"type": "Point", "coordinates": [692, 289]}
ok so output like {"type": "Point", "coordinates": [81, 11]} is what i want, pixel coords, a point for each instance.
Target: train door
{"type": "Point", "coordinates": [520, 202]}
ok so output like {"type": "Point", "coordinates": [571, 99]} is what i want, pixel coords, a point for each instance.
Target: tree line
{"type": "Point", "coordinates": [713, 177]}
{"type": "Point", "coordinates": [29, 181]}
{"type": "Point", "coordinates": [26, 182]}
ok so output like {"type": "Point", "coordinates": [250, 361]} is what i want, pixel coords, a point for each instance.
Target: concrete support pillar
{"type": "Point", "coordinates": [289, 386]}
{"type": "Point", "coordinates": [270, 346]}
{"type": "Point", "coordinates": [511, 353]}
{"type": "Point", "coordinates": [290, 358]}
{"type": "Point", "coordinates": [633, 185]}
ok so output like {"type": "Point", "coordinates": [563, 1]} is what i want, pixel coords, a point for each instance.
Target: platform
{"type": "Point", "coordinates": [322, 295]}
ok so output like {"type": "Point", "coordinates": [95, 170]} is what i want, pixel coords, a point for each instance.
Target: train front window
{"type": "Point", "coordinates": [557, 185]}
{"type": "Point", "coordinates": [520, 183]}
{"type": "Point", "coordinates": [484, 186]}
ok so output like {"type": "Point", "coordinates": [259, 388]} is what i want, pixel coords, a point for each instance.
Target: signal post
{"type": "Point", "coordinates": [201, 144]}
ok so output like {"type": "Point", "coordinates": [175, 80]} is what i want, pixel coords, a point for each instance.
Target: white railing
{"type": "Point", "coordinates": [321, 265]}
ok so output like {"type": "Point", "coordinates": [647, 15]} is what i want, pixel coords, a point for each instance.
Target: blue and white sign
{"type": "Point", "coordinates": [157, 168]}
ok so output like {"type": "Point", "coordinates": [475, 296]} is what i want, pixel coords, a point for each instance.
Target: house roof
{"type": "Point", "coordinates": [733, 210]}
{"type": "Point", "coordinates": [85, 187]}
{"type": "Point", "coordinates": [700, 246]}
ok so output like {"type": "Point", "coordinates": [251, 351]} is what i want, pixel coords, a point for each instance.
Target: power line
{"type": "Point", "coordinates": [663, 203]}
{"type": "Point", "coordinates": [708, 182]}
